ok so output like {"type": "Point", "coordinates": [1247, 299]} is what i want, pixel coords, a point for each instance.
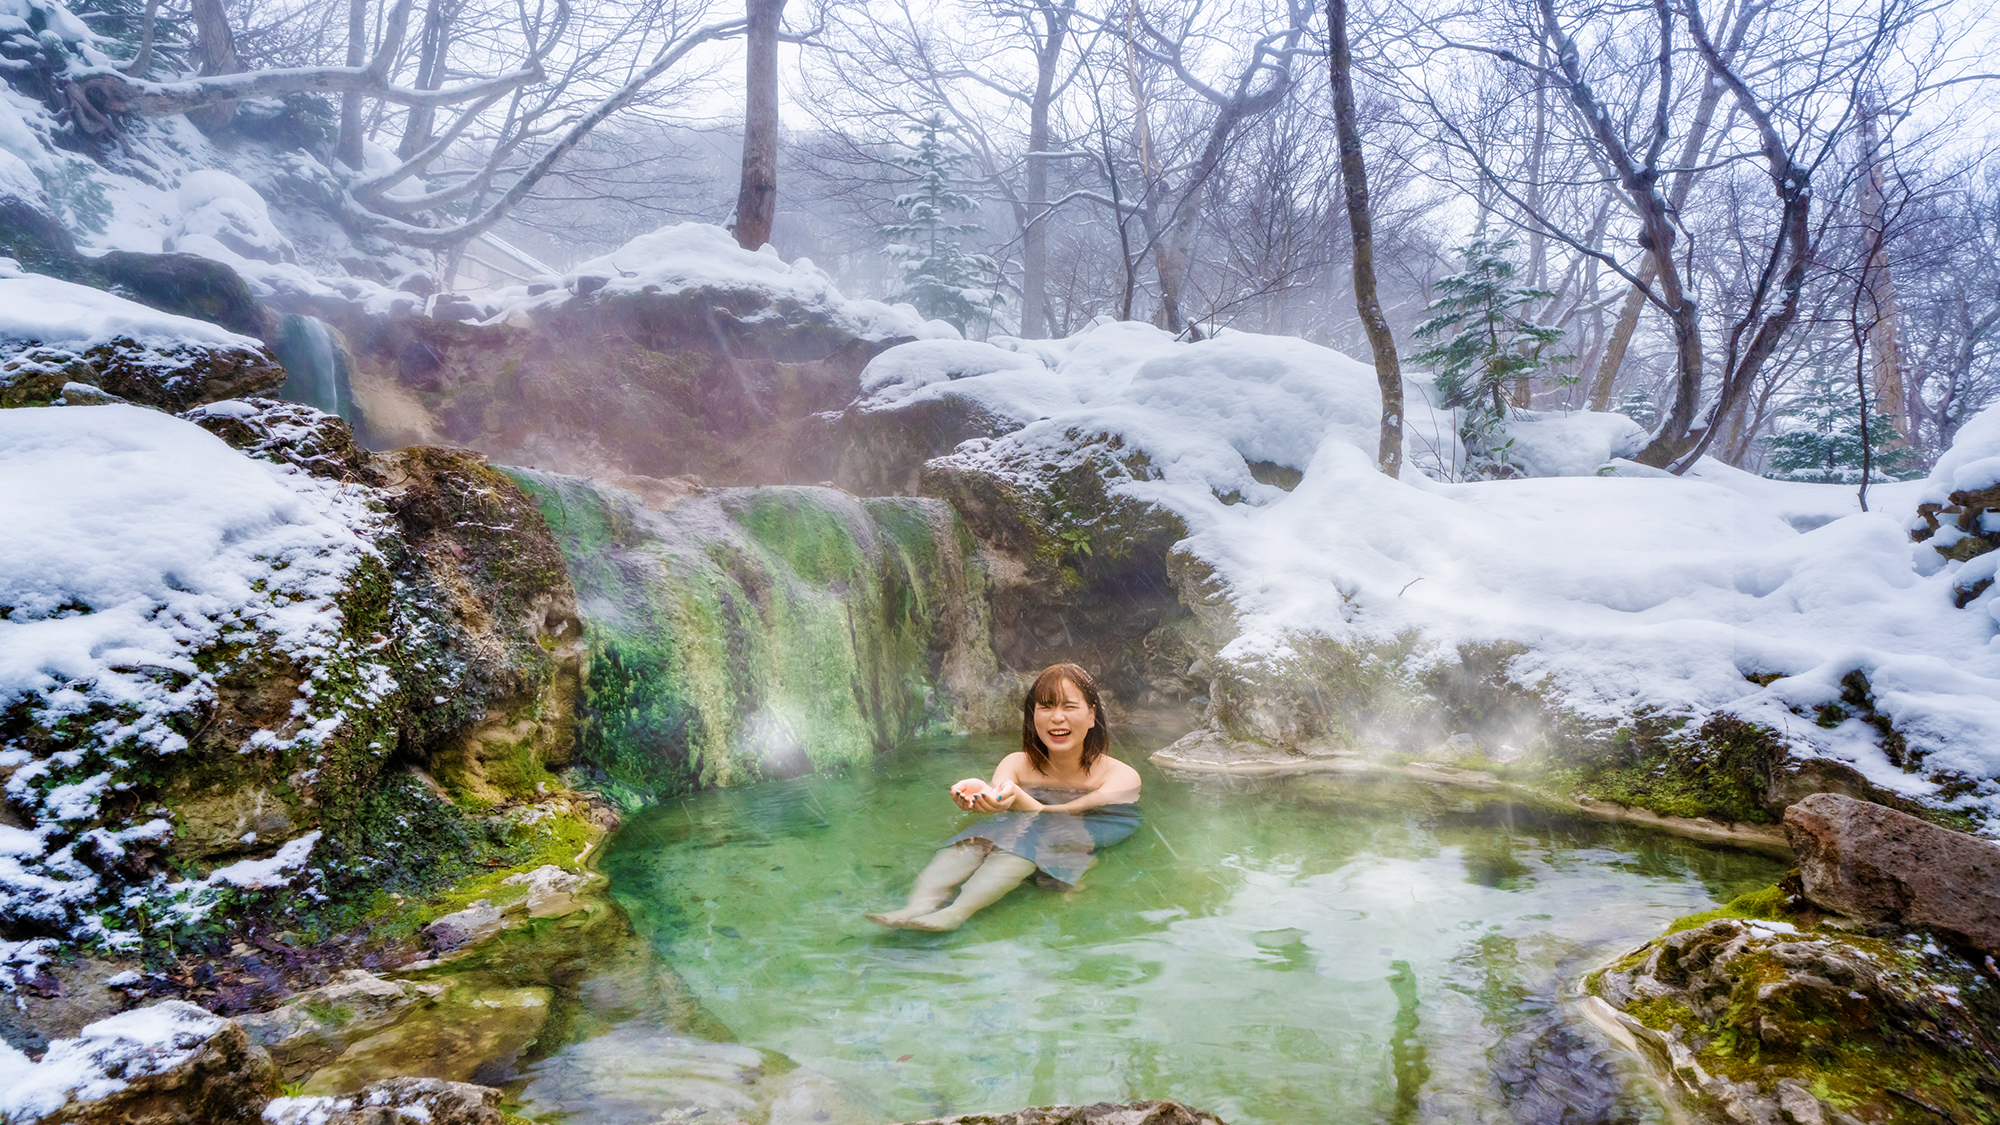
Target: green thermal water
{"type": "Point", "coordinates": [1311, 949]}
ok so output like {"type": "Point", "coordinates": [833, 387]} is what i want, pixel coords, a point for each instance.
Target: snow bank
{"type": "Point", "coordinates": [692, 256]}
{"type": "Point", "coordinates": [103, 1059]}
{"type": "Point", "coordinates": [1972, 462]}
{"type": "Point", "coordinates": [59, 314]}
{"type": "Point", "coordinates": [1631, 590]}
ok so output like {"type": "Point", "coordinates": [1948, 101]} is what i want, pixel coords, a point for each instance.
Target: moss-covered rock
{"type": "Point", "coordinates": [1791, 1021]}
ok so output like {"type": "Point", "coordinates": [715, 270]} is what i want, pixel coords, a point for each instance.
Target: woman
{"type": "Point", "coordinates": [1060, 798]}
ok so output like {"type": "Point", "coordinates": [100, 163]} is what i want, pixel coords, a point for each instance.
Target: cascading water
{"type": "Point", "coordinates": [315, 367]}
{"type": "Point", "coordinates": [767, 632]}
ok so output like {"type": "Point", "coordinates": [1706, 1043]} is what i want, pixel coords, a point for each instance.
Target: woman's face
{"type": "Point", "coordinates": [1063, 722]}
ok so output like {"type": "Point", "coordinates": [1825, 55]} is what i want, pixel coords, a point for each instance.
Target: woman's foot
{"type": "Point", "coordinates": [939, 921]}
{"type": "Point", "coordinates": [899, 918]}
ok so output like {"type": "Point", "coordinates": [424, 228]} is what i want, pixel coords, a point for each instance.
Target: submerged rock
{"type": "Point", "coordinates": [1880, 865]}
{"type": "Point", "coordinates": [468, 1033]}
{"type": "Point", "coordinates": [1763, 1022]}
{"type": "Point", "coordinates": [1100, 1113]}
{"type": "Point", "coordinates": [393, 1101]}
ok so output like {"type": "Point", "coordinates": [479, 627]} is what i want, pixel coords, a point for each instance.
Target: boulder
{"type": "Point", "coordinates": [313, 1028]}
{"type": "Point", "coordinates": [1880, 865]}
{"type": "Point", "coordinates": [1101, 1113]}
{"type": "Point", "coordinates": [394, 1101]}
{"type": "Point", "coordinates": [552, 891]}
{"type": "Point", "coordinates": [164, 1064]}
{"type": "Point", "coordinates": [461, 928]}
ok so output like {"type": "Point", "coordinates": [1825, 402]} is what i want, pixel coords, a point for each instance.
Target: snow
{"type": "Point", "coordinates": [60, 314]}
{"type": "Point", "coordinates": [1572, 443]}
{"type": "Point", "coordinates": [699, 256]}
{"type": "Point", "coordinates": [265, 873]}
{"type": "Point", "coordinates": [103, 1059]}
{"type": "Point", "coordinates": [1632, 589]}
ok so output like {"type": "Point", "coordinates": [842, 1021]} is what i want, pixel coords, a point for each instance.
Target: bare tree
{"type": "Point", "coordinates": [529, 96]}
{"type": "Point", "coordinates": [1354, 182]}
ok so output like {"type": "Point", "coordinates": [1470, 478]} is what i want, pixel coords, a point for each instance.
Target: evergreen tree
{"type": "Point", "coordinates": [1823, 444]}
{"type": "Point", "coordinates": [1480, 343]}
{"type": "Point", "coordinates": [937, 275]}
{"type": "Point", "coordinates": [1638, 405]}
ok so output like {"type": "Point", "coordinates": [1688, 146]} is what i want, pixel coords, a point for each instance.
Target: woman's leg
{"type": "Point", "coordinates": [951, 866]}
{"type": "Point", "coordinates": [1002, 872]}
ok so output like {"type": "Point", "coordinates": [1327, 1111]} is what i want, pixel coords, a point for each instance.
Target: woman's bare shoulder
{"type": "Point", "coordinates": [1116, 771]}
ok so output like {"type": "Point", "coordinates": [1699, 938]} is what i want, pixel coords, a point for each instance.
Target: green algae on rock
{"type": "Point", "coordinates": [1772, 1020]}
{"type": "Point", "coordinates": [745, 633]}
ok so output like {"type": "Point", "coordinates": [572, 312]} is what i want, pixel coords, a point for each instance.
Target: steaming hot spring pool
{"type": "Point", "coordinates": [1276, 951]}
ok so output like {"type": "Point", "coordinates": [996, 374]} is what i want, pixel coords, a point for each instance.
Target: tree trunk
{"type": "Point", "coordinates": [1035, 238]}
{"type": "Point", "coordinates": [1354, 183]}
{"type": "Point", "coordinates": [1884, 343]}
{"type": "Point", "coordinates": [215, 54]}
{"type": "Point", "coordinates": [349, 151]}
{"type": "Point", "coordinates": [757, 199]}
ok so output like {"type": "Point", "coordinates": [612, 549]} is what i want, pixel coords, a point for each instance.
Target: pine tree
{"type": "Point", "coordinates": [1823, 445]}
{"type": "Point", "coordinates": [937, 275]}
{"type": "Point", "coordinates": [1481, 343]}
{"type": "Point", "coordinates": [1638, 405]}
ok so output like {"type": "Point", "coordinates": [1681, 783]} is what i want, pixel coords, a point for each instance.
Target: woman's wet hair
{"type": "Point", "coordinates": [1048, 689]}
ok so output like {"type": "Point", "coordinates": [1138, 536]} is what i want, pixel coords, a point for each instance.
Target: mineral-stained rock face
{"type": "Point", "coordinates": [745, 633]}
{"type": "Point", "coordinates": [724, 384]}
{"type": "Point", "coordinates": [1880, 865]}
{"type": "Point", "coordinates": [1759, 1022]}
{"type": "Point", "coordinates": [1100, 1113]}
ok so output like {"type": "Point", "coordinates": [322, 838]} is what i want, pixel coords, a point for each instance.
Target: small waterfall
{"type": "Point", "coordinates": [744, 633]}
{"type": "Point", "coordinates": [315, 367]}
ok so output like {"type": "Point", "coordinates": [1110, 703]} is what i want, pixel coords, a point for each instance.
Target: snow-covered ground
{"type": "Point", "coordinates": [1631, 587]}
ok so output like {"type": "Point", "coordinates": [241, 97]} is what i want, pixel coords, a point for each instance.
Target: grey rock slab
{"type": "Point", "coordinates": [1879, 865]}
{"type": "Point", "coordinates": [393, 1101]}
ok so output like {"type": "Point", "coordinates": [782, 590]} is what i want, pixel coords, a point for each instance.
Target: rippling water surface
{"type": "Point", "coordinates": [1283, 951]}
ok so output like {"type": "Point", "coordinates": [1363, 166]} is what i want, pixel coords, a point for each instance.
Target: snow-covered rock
{"type": "Point", "coordinates": [1958, 513]}
{"type": "Point", "coordinates": [168, 1061]}
{"type": "Point", "coordinates": [704, 263]}
{"type": "Point", "coordinates": [64, 342]}
{"type": "Point", "coordinates": [210, 657]}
